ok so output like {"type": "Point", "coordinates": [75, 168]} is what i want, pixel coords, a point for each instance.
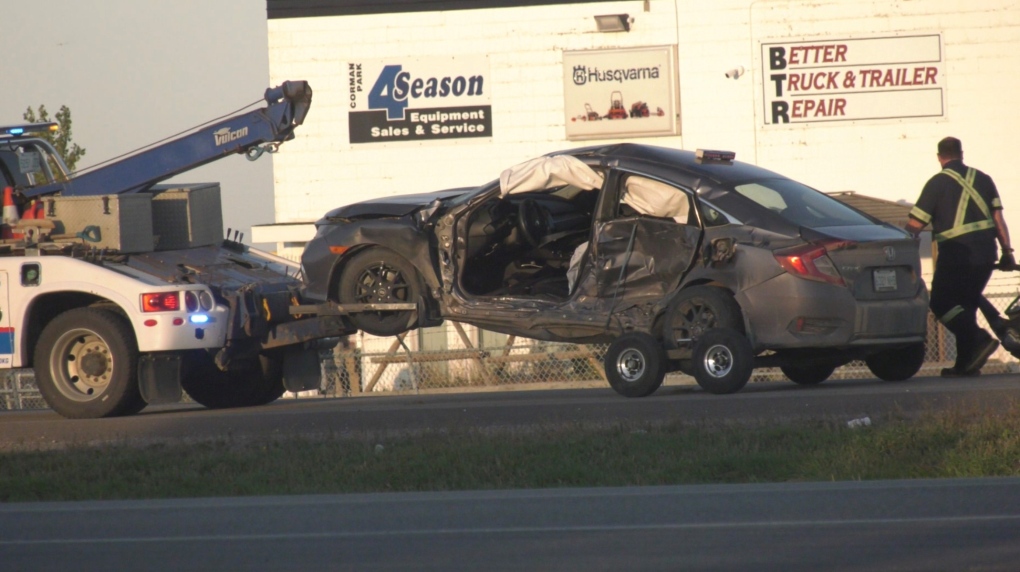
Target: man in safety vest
{"type": "Point", "coordinates": [963, 207]}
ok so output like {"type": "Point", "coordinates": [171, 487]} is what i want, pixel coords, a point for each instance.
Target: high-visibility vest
{"type": "Point", "coordinates": [969, 194]}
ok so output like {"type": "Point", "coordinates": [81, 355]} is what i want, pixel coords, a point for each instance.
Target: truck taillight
{"type": "Point", "coordinates": [811, 262]}
{"type": "Point", "coordinates": [161, 302]}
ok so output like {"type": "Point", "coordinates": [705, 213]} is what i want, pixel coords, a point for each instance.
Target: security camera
{"type": "Point", "coordinates": [735, 72]}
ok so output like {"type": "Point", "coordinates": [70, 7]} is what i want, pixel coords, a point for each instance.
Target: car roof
{"type": "Point", "coordinates": [722, 172]}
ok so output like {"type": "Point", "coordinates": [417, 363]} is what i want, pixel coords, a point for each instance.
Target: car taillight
{"type": "Point", "coordinates": [161, 302]}
{"type": "Point", "coordinates": [811, 262]}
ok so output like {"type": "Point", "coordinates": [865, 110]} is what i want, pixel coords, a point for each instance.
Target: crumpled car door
{"type": "Point", "coordinates": [642, 257]}
{"type": "Point", "coordinates": [645, 251]}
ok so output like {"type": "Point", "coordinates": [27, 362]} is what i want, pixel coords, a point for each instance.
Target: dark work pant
{"type": "Point", "coordinates": [955, 296]}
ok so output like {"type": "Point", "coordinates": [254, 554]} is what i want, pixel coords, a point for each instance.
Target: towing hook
{"type": "Point", "coordinates": [253, 153]}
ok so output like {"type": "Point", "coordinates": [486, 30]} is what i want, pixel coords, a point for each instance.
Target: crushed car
{"type": "Point", "coordinates": [681, 260]}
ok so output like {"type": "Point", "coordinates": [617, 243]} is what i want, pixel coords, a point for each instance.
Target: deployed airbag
{"type": "Point", "coordinates": [653, 198]}
{"type": "Point", "coordinates": [546, 173]}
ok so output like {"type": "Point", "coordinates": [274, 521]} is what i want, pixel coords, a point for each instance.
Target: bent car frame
{"type": "Point", "coordinates": [688, 261]}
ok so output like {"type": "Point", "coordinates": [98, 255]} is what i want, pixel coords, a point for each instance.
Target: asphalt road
{"type": "Point", "coordinates": [386, 414]}
{"type": "Point", "coordinates": [925, 525]}
{"type": "Point", "coordinates": [970, 524]}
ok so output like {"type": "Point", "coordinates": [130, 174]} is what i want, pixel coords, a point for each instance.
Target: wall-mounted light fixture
{"type": "Point", "coordinates": [613, 23]}
{"type": "Point", "coordinates": [736, 72]}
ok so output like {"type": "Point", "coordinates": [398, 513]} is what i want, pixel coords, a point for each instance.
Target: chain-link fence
{"type": "Point", "coordinates": [456, 357]}
{"type": "Point", "coordinates": [18, 391]}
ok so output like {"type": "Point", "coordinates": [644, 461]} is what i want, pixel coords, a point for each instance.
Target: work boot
{"type": "Point", "coordinates": [983, 350]}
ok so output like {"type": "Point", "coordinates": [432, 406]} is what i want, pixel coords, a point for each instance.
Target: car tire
{"type": "Point", "coordinates": [248, 386]}
{"type": "Point", "coordinates": [697, 310]}
{"type": "Point", "coordinates": [379, 276]}
{"type": "Point", "coordinates": [635, 365]}
{"type": "Point", "coordinates": [897, 364]}
{"type": "Point", "coordinates": [808, 374]}
{"type": "Point", "coordinates": [86, 365]}
{"type": "Point", "coordinates": [722, 361]}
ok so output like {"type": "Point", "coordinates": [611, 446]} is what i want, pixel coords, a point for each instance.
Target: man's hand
{"type": "Point", "coordinates": [1007, 262]}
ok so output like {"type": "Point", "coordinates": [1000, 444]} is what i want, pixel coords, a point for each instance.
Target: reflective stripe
{"type": "Point", "coordinates": [996, 203]}
{"type": "Point", "coordinates": [964, 229]}
{"type": "Point", "coordinates": [948, 316]}
{"type": "Point", "coordinates": [920, 215]}
{"type": "Point", "coordinates": [969, 194]}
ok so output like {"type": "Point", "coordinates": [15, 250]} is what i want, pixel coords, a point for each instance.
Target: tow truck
{"type": "Point", "coordinates": [122, 292]}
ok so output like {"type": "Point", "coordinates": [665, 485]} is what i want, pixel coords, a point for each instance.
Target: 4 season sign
{"type": "Point", "coordinates": [419, 99]}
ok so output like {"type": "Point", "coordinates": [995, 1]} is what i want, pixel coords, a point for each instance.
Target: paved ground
{"type": "Point", "coordinates": [380, 414]}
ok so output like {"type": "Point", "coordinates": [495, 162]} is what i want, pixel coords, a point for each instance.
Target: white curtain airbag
{"type": "Point", "coordinates": [650, 197]}
{"type": "Point", "coordinates": [546, 173]}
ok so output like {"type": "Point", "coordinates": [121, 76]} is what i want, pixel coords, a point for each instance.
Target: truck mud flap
{"type": "Point", "coordinates": [159, 378]}
{"type": "Point", "coordinates": [302, 370]}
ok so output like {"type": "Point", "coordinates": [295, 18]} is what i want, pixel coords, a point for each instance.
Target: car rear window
{"type": "Point", "coordinates": [800, 204]}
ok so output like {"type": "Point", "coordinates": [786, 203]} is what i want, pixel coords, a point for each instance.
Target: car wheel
{"type": "Point", "coordinates": [255, 384]}
{"type": "Point", "coordinates": [808, 374]}
{"type": "Point", "coordinates": [379, 276]}
{"type": "Point", "coordinates": [697, 310]}
{"type": "Point", "coordinates": [86, 364]}
{"type": "Point", "coordinates": [722, 361]}
{"type": "Point", "coordinates": [897, 364]}
{"type": "Point", "coordinates": [635, 365]}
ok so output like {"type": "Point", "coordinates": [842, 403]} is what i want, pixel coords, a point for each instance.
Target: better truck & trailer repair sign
{"type": "Point", "coordinates": [852, 79]}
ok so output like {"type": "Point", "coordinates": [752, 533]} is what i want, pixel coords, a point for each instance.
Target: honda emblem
{"type": "Point", "coordinates": [890, 253]}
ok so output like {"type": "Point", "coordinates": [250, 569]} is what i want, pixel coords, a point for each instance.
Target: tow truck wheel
{"type": "Point", "coordinates": [808, 374]}
{"type": "Point", "coordinates": [86, 363]}
{"type": "Point", "coordinates": [379, 276]}
{"type": "Point", "coordinates": [897, 364]}
{"type": "Point", "coordinates": [635, 365]}
{"type": "Point", "coordinates": [257, 383]}
{"type": "Point", "coordinates": [723, 361]}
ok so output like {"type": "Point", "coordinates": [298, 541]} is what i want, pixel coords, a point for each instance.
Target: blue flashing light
{"type": "Point", "coordinates": [17, 131]}
{"type": "Point", "coordinates": [199, 318]}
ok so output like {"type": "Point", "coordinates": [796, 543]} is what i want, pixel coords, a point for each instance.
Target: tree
{"type": "Point", "coordinates": [61, 140]}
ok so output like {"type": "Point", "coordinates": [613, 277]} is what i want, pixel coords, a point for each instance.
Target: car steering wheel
{"type": "Point", "coordinates": [532, 221]}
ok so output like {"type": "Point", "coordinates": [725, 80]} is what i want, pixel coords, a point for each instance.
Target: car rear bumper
{"type": "Point", "coordinates": [788, 312]}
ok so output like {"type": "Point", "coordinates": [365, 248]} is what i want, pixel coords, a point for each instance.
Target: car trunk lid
{"type": "Point", "coordinates": [877, 262]}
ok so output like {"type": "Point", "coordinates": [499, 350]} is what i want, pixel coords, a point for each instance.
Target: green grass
{"type": "Point", "coordinates": [957, 443]}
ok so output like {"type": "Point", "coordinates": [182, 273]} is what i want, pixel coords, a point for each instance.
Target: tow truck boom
{"type": "Point", "coordinates": [252, 133]}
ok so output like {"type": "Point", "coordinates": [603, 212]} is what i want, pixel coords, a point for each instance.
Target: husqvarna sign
{"type": "Point", "coordinates": [412, 99]}
{"type": "Point", "coordinates": [620, 92]}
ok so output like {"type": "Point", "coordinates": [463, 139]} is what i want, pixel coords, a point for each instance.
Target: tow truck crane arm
{"type": "Point", "coordinates": [247, 133]}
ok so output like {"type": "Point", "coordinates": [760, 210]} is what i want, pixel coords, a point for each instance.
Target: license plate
{"type": "Point", "coordinates": [885, 280]}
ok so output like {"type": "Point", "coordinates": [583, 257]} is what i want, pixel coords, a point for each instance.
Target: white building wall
{"type": "Point", "coordinates": [889, 159]}
{"type": "Point", "coordinates": [320, 170]}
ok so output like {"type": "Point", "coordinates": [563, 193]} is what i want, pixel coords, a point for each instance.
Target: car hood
{"type": "Point", "coordinates": [397, 205]}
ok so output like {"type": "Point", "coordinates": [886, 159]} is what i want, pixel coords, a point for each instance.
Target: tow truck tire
{"type": "Point", "coordinates": [635, 364]}
{"type": "Point", "coordinates": [897, 364]}
{"type": "Point", "coordinates": [258, 384]}
{"type": "Point", "coordinates": [86, 365]}
{"type": "Point", "coordinates": [723, 361]}
{"type": "Point", "coordinates": [809, 374]}
{"type": "Point", "coordinates": [379, 276]}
